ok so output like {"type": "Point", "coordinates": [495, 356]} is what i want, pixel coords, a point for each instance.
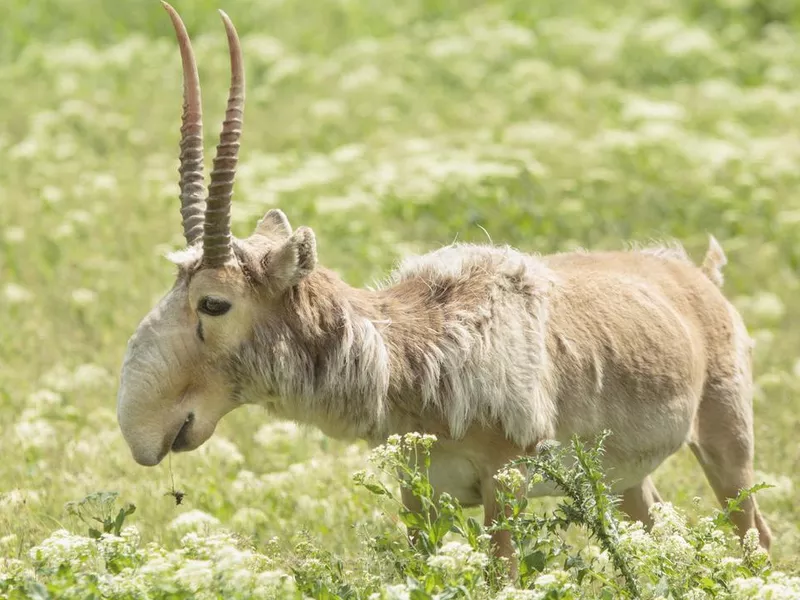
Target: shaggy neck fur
{"type": "Point", "coordinates": [360, 363]}
{"type": "Point", "coordinates": [327, 359]}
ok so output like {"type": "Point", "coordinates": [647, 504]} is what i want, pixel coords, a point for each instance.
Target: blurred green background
{"type": "Point", "coordinates": [389, 128]}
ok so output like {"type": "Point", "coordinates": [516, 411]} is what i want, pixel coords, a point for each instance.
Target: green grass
{"type": "Point", "coordinates": [388, 128]}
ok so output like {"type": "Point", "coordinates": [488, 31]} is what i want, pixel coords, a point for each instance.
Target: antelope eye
{"type": "Point", "coordinates": [213, 307]}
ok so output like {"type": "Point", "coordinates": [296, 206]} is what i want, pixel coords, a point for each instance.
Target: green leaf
{"type": "Point", "coordinates": [535, 561]}
{"type": "Point", "coordinates": [475, 529]}
{"type": "Point", "coordinates": [441, 527]}
{"type": "Point", "coordinates": [375, 488]}
{"type": "Point", "coordinates": [36, 591]}
{"type": "Point", "coordinates": [412, 519]}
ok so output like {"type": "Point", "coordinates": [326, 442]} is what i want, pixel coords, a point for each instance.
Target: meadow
{"type": "Point", "coordinates": [389, 128]}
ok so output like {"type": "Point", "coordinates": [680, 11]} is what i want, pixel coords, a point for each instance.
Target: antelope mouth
{"type": "Point", "coordinates": [182, 443]}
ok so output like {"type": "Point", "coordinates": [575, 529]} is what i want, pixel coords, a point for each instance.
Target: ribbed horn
{"type": "Point", "coordinates": [217, 233]}
{"type": "Point", "coordinates": [192, 187]}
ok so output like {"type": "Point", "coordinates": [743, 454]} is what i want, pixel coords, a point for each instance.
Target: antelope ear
{"type": "Point", "coordinates": [293, 260]}
{"type": "Point", "coordinates": [274, 225]}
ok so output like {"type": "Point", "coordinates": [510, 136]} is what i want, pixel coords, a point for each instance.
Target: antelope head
{"type": "Point", "coordinates": [175, 384]}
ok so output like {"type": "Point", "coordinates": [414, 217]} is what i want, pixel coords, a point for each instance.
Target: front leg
{"type": "Point", "coordinates": [501, 542]}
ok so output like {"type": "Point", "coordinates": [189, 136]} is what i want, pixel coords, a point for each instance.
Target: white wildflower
{"type": "Point", "coordinates": [80, 448]}
{"type": "Point", "coordinates": [354, 199]}
{"type": "Point", "coordinates": [16, 294]}
{"type": "Point", "coordinates": [348, 153]}
{"type": "Point", "coordinates": [194, 520]}
{"type": "Point", "coordinates": [511, 593]}
{"type": "Point", "coordinates": [248, 518]}
{"type": "Point", "coordinates": [546, 580]}
{"type": "Point", "coordinates": [160, 568]}
{"type": "Point", "coordinates": [447, 47]}
{"type": "Point", "coordinates": [731, 563]}
{"type": "Point", "coordinates": [277, 433]}
{"type": "Point", "coordinates": [119, 546]}
{"type": "Point", "coordinates": [666, 520]}
{"type": "Point", "coordinates": [12, 568]}
{"type": "Point", "coordinates": [415, 438]}
{"type": "Point", "coordinates": [27, 148]}
{"type": "Point", "coordinates": [457, 558]}
{"type": "Point", "coordinates": [14, 235]}
{"type": "Point", "coordinates": [643, 109]}
{"type": "Point", "coordinates": [44, 399]}
{"type": "Point", "coordinates": [284, 67]}
{"type": "Point", "coordinates": [90, 375]}
{"type": "Point", "coordinates": [398, 591]}
{"type": "Point", "coordinates": [274, 582]}
{"type": "Point", "coordinates": [18, 498]}
{"type": "Point", "coordinates": [36, 433]}
{"type": "Point", "coordinates": [84, 296]}
{"type": "Point", "coordinates": [263, 48]}
{"type": "Point", "coordinates": [196, 575]}
{"type": "Point", "coordinates": [248, 483]}
{"type": "Point", "coordinates": [328, 108]}
{"type": "Point", "coordinates": [511, 34]}
{"type": "Point", "coordinates": [690, 41]}
{"type": "Point", "coordinates": [222, 451]}
{"type": "Point", "coordinates": [64, 548]}
{"type": "Point", "coordinates": [80, 217]}
{"type": "Point", "coordinates": [557, 579]}
{"type": "Point", "coordinates": [537, 132]}
{"type": "Point", "coordinates": [767, 306]}
{"type": "Point", "coordinates": [231, 558]}
{"type": "Point", "coordinates": [104, 182]}
{"type": "Point", "coordinates": [64, 230]}
{"type": "Point", "coordinates": [752, 548]}
{"type": "Point", "coordinates": [510, 478]}
{"type": "Point", "coordinates": [596, 556]}
{"type": "Point", "coordinates": [676, 38]}
{"type": "Point", "coordinates": [8, 542]}
{"type": "Point", "coordinates": [359, 78]}
{"type": "Point", "coordinates": [634, 539]}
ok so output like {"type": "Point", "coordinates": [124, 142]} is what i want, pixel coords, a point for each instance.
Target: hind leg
{"type": "Point", "coordinates": [637, 500]}
{"type": "Point", "coordinates": [723, 444]}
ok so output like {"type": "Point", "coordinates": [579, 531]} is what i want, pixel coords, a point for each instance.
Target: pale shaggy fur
{"type": "Point", "coordinates": [490, 349]}
{"type": "Point", "coordinates": [472, 369]}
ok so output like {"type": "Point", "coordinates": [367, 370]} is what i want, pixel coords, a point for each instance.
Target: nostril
{"type": "Point", "coordinates": [182, 439]}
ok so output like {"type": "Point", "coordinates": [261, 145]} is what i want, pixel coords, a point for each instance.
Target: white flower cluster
{"type": "Point", "coordinates": [510, 478]}
{"type": "Point", "coordinates": [205, 567]}
{"type": "Point", "coordinates": [457, 559]}
{"type": "Point", "coordinates": [776, 586]}
{"type": "Point", "coordinates": [397, 447]}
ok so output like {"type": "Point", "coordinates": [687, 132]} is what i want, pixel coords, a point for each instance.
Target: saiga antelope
{"type": "Point", "coordinates": [491, 349]}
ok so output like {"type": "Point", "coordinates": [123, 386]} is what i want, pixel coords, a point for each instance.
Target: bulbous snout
{"type": "Point", "coordinates": [149, 430]}
{"type": "Point", "coordinates": [151, 400]}
{"type": "Point", "coordinates": [156, 419]}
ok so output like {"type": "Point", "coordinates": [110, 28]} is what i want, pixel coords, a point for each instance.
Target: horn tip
{"type": "Point", "coordinates": [166, 5]}
{"type": "Point", "coordinates": [226, 20]}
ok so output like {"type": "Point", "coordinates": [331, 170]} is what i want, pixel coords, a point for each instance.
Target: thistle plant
{"type": "Point", "coordinates": [448, 556]}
